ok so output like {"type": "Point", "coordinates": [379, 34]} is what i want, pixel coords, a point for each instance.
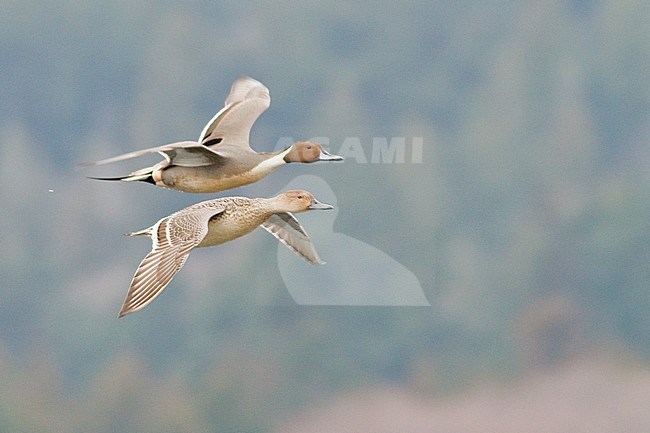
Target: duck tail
{"type": "Point", "coordinates": [144, 175]}
{"type": "Point", "coordinates": [145, 232]}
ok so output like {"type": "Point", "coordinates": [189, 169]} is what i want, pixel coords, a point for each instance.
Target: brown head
{"type": "Point", "coordinates": [298, 200]}
{"type": "Point", "coordinates": [308, 151]}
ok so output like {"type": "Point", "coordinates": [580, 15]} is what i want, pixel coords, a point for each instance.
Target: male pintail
{"type": "Point", "coordinates": [222, 157]}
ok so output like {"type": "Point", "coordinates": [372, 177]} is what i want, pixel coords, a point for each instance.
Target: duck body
{"type": "Point", "coordinates": [227, 174]}
{"type": "Point", "coordinates": [238, 216]}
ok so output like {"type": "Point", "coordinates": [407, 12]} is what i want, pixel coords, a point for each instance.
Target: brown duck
{"type": "Point", "coordinates": [214, 222]}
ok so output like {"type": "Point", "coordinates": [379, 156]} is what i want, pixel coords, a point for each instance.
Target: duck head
{"type": "Point", "coordinates": [308, 151]}
{"type": "Point", "coordinates": [298, 200]}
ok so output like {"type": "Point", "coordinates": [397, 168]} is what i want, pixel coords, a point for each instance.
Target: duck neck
{"type": "Point", "coordinates": [270, 205]}
{"type": "Point", "coordinates": [283, 155]}
{"type": "Point", "coordinates": [273, 161]}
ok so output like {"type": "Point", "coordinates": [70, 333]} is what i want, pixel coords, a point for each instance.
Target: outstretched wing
{"type": "Point", "coordinates": [231, 126]}
{"type": "Point", "coordinates": [247, 100]}
{"type": "Point", "coordinates": [183, 153]}
{"type": "Point", "coordinates": [286, 228]}
{"type": "Point", "coordinates": [173, 238]}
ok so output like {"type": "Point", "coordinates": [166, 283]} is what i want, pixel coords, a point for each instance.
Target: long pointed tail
{"type": "Point", "coordinates": [145, 232]}
{"type": "Point", "coordinates": [144, 175]}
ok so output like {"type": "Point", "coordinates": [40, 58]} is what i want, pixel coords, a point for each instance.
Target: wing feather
{"type": "Point", "coordinates": [286, 228]}
{"type": "Point", "coordinates": [173, 238]}
{"type": "Point", "coordinates": [183, 153]}
{"type": "Point", "coordinates": [231, 126]}
{"type": "Point", "coordinates": [247, 100]}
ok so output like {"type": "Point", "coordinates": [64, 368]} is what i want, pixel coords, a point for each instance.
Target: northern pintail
{"type": "Point", "coordinates": [214, 222]}
{"type": "Point", "coordinates": [222, 157]}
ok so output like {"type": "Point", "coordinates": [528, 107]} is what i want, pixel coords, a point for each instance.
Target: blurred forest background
{"type": "Point", "coordinates": [526, 222]}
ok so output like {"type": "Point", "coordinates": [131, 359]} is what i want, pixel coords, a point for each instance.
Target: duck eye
{"type": "Point", "coordinates": [299, 197]}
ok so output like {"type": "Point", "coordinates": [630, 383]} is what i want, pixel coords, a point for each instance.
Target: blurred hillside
{"type": "Point", "coordinates": [526, 223]}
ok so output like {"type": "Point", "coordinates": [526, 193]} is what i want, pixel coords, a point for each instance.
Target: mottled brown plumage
{"type": "Point", "coordinates": [214, 222]}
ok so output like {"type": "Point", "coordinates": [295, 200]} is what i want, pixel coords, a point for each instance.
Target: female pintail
{"type": "Point", "coordinates": [214, 222]}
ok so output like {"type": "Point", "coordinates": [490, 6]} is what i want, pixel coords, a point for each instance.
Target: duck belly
{"type": "Point", "coordinates": [205, 179]}
{"type": "Point", "coordinates": [226, 228]}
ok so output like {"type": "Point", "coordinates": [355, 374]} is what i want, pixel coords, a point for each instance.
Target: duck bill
{"type": "Point", "coordinates": [316, 205]}
{"type": "Point", "coordinates": [326, 156]}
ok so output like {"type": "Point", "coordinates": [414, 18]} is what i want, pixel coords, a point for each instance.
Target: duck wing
{"type": "Point", "coordinates": [231, 126]}
{"type": "Point", "coordinates": [173, 238]}
{"type": "Point", "coordinates": [286, 228]}
{"type": "Point", "coordinates": [183, 153]}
